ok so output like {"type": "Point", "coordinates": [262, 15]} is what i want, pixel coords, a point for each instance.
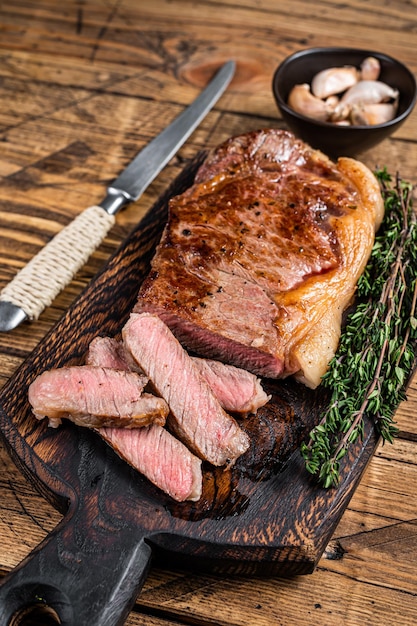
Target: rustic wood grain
{"type": "Point", "coordinates": [82, 88]}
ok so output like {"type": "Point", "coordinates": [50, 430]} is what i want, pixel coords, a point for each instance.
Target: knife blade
{"type": "Point", "coordinates": [37, 284]}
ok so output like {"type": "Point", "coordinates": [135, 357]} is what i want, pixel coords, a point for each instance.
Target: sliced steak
{"type": "Point", "coordinates": [109, 352]}
{"type": "Point", "coordinates": [262, 254]}
{"type": "Point", "coordinates": [236, 389]}
{"type": "Point", "coordinates": [195, 414]}
{"type": "Point", "coordinates": [157, 454]}
{"type": "Point", "coordinates": [152, 451]}
{"type": "Point", "coordinates": [94, 397]}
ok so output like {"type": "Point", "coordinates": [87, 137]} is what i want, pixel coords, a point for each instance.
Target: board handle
{"type": "Point", "coordinates": [75, 580]}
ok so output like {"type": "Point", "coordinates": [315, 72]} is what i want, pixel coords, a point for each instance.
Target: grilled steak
{"type": "Point", "coordinates": [94, 397]}
{"type": "Point", "coordinates": [157, 454]}
{"type": "Point", "coordinates": [195, 414]}
{"type": "Point", "coordinates": [262, 254]}
{"type": "Point", "coordinates": [237, 390]}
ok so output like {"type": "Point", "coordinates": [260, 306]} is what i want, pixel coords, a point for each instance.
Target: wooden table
{"type": "Point", "coordinates": [84, 85]}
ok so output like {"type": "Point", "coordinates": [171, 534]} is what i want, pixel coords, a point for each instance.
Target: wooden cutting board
{"type": "Point", "coordinates": [265, 516]}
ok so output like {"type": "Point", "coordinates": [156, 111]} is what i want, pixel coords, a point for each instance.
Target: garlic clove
{"type": "Point", "coordinates": [334, 80]}
{"type": "Point", "coordinates": [370, 69]}
{"type": "Point", "coordinates": [303, 101]}
{"type": "Point", "coordinates": [371, 114]}
{"type": "Point", "coordinates": [369, 92]}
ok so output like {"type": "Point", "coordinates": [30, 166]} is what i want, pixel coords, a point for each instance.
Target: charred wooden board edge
{"type": "Point", "coordinates": [215, 543]}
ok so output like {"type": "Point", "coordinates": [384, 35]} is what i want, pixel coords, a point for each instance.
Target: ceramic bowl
{"type": "Point", "coordinates": [332, 139]}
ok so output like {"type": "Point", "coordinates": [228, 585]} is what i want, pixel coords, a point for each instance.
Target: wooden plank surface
{"type": "Point", "coordinates": [82, 88]}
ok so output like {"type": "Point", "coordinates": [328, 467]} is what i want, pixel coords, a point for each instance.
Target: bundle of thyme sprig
{"type": "Point", "coordinates": [367, 376]}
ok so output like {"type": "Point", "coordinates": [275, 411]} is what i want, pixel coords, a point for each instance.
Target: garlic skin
{"type": "Point", "coordinates": [334, 80]}
{"type": "Point", "coordinates": [369, 92]}
{"type": "Point", "coordinates": [372, 114]}
{"type": "Point", "coordinates": [303, 101]}
{"type": "Point", "coordinates": [370, 69]}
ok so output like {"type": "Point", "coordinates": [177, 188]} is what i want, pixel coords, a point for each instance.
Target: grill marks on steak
{"type": "Point", "coordinates": [94, 397]}
{"type": "Point", "coordinates": [195, 414]}
{"type": "Point", "coordinates": [261, 255]}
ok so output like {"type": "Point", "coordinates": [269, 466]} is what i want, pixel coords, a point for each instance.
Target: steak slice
{"type": "Point", "coordinates": [262, 254]}
{"type": "Point", "coordinates": [111, 353]}
{"type": "Point", "coordinates": [237, 390]}
{"type": "Point", "coordinates": [94, 397]}
{"type": "Point", "coordinates": [195, 414]}
{"type": "Point", "coordinates": [157, 454]}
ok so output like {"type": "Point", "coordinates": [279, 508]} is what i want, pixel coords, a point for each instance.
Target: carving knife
{"type": "Point", "coordinates": [37, 284]}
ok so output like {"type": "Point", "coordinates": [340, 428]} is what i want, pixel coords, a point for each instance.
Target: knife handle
{"type": "Point", "coordinates": [37, 284]}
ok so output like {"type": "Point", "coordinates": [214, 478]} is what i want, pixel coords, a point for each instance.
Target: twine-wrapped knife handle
{"type": "Point", "coordinates": [38, 283]}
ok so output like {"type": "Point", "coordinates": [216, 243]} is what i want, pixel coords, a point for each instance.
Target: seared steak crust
{"type": "Point", "coordinates": [249, 245]}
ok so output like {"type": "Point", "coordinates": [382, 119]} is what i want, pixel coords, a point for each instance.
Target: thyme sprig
{"type": "Point", "coordinates": [376, 354]}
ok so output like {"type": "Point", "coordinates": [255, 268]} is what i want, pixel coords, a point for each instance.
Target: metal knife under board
{"type": "Point", "coordinates": [39, 282]}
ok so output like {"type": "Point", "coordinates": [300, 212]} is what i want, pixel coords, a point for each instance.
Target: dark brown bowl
{"type": "Point", "coordinates": [332, 139]}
